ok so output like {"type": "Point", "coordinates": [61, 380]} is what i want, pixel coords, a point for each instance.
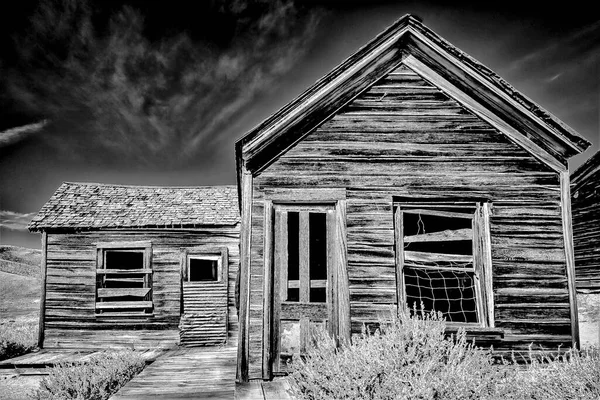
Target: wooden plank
{"type": "Point", "coordinates": [399, 239]}
{"type": "Point", "coordinates": [442, 236]}
{"type": "Point", "coordinates": [565, 201]}
{"type": "Point", "coordinates": [119, 292]}
{"type": "Point", "coordinates": [314, 284]}
{"type": "Point", "coordinates": [417, 256]}
{"type": "Point", "coordinates": [43, 274]}
{"type": "Point", "coordinates": [267, 289]}
{"type": "Point", "coordinates": [123, 305]}
{"type": "Point", "coordinates": [125, 244]}
{"type": "Point", "coordinates": [245, 260]}
{"type": "Point", "coordinates": [304, 256]}
{"type": "Point", "coordinates": [437, 213]}
{"type": "Point", "coordinates": [123, 271]}
{"type": "Point", "coordinates": [311, 311]}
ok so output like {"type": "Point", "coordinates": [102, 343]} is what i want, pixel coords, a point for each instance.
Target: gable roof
{"type": "Point", "coordinates": [94, 206]}
{"type": "Point", "coordinates": [408, 39]}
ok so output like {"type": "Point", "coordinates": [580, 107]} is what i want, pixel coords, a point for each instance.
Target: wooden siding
{"type": "Point", "coordinates": [404, 138]}
{"type": "Point", "coordinates": [70, 318]}
{"type": "Point", "coordinates": [585, 192]}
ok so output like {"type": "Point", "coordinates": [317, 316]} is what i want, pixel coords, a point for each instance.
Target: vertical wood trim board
{"type": "Point", "coordinates": [399, 242]}
{"type": "Point", "coordinates": [565, 201]}
{"type": "Point", "coordinates": [488, 267]}
{"type": "Point", "coordinates": [342, 281]}
{"type": "Point", "coordinates": [44, 271]}
{"type": "Point", "coordinates": [268, 289]}
{"type": "Point", "coordinates": [245, 256]}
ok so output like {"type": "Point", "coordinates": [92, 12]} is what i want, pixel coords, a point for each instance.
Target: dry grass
{"type": "Point", "coordinates": [17, 336]}
{"type": "Point", "coordinates": [95, 379]}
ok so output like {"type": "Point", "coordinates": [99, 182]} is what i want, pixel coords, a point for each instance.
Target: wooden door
{"type": "Point", "coordinates": [303, 278]}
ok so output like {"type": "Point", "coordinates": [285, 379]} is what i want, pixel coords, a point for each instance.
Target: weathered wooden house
{"type": "Point", "coordinates": [585, 193]}
{"type": "Point", "coordinates": [138, 266]}
{"type": "Point", "coordinates": [410, 173]}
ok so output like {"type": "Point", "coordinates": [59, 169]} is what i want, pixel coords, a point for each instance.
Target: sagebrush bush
{"type": "Point", "coordinates": [570, 375]}
{"type": "Point", "coordinates": [97, 378]}
{"type": "Point", "coordinates": [17, 337]}
{"type": "Point", "coordinates": [408, 357]}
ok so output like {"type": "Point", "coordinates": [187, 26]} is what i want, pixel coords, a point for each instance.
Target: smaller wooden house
{"type": "Point", "coordinates": [138, 266]}
{"type": "Point", "coordinates": [585, 193]}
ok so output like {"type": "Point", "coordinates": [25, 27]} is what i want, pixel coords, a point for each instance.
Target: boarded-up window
{"type": "Point", "coordinates": [124, 280]}
{"type": "Point", "coordinates": [444, 259]}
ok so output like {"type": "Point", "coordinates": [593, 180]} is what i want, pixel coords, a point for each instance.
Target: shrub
{"type": "Point", "coordinates": [99, 377]}
{"type": "Point", "coordinates": [408, 357]}
{"type": "Point", "coordinates": [17, 337]}
{"type": "Point", "coordinates": [570, 375]}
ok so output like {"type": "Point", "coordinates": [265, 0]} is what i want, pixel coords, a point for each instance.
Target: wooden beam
{"type": "Point", "coordinates": [44, 275]}
{"type": "Point", "coordinates": [565, 202]}
{"type": "Point", "coordinates": [441, 236]}
{"type": "Point", "coordinates": [304, 256]}
{"type": "Point", "coordinates": [245, 257]}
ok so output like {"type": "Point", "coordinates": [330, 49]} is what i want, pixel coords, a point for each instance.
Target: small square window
{"type": "Point", "coordinates": [203, 268]}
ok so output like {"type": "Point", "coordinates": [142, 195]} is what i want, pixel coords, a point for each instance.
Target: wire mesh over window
{"type": "Point", "coordinates": [438, 266]}
{"type": "Point", "coordinates": [451, 292]}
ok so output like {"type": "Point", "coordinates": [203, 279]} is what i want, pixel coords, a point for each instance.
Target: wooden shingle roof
{"type": "Point", "coordinates": [95, 206]}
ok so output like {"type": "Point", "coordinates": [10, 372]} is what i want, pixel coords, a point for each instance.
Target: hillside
{"type": "Point", "coordinates": [20, 260]}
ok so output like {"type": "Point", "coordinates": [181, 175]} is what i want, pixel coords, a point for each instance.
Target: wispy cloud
{"type": "Point", "coordinates": [15, 221]}
{"type": "Point", "coordinates": [145, 99]}
{"type": "Point", "coordinates": [19, 133]}
{"type": "Point", "coordinates": [571, 52]}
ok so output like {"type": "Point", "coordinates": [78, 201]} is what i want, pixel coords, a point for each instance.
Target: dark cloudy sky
{"type": "Point", "coordinates": [157, 92]}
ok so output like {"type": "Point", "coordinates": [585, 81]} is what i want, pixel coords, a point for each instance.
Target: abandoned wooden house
{"type": "Point", "coordinates": [410, 173]}
{"type": "Point", "coordinates": [585, 194]}
{"type": "Point", "coordinates": [138, 266]}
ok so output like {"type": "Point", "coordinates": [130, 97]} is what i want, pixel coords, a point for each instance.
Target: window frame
{"type": "Point", "coordinates": [143, 247]}
{"type": "Point", "coordinates": [482, 260]}
{"type": "Point", "coordinates": [210, 257]}
{"type": "Point", "coordinates": [221, 254]}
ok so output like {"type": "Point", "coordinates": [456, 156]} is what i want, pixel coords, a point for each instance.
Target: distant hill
{"type": "Point", "coordinates": [20, 260]}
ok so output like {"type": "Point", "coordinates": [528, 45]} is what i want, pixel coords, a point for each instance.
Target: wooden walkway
{"type": "Point", "coordinates": [186, 373]}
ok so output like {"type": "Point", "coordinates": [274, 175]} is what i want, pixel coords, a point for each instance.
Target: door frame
{"type": "Point", "coordinates": [334, 198]}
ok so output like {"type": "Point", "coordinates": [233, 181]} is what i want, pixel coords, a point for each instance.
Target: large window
{"type": "Point", "coordinates": [444, 260]}
{"type": "Point", "coordinates": [124, 280]}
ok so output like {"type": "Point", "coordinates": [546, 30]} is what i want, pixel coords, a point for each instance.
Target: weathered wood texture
{"type": "Point", "coordinates": [585, 194]}
{"type": "Point", "coordinates": [405, 139]}
{"type": "Point", "coordinates": [70, 317]}
{"type": "Point", "coordinates": [204, 319]}
{"type": "Point", "coordinates": [186, 373]}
